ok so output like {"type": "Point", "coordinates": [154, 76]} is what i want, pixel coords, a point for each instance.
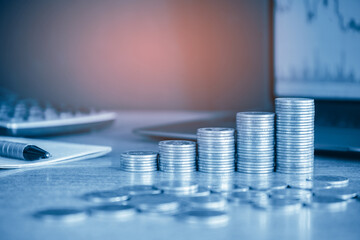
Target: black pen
{"type": "Point", "coordinates": [22, 151]}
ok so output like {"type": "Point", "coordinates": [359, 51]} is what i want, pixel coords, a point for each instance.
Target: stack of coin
{"type": "Point", "coordinates": [177, 156]}
{"type": "Point", "coordinates": [295, 135]}
{"type": "Point", "coordinates": [255, 142]}
{"type": "Point", "coordinates": [216, 148]}
{"type": "Point", "coordinates": [139, 161]}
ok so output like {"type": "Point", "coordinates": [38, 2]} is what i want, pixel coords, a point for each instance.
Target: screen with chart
{"type": "Point", "coordinates": [317, 48]}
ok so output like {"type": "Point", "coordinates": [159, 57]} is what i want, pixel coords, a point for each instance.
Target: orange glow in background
{"type": "Point", "coordinates": [139, 54]}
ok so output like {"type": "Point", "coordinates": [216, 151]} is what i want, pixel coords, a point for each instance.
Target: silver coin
{"type": "Point", "coordinates": [343, 193]}
{"type": "Point", "coordinates": [206, 170]}
{"type": "Point", "coordinates": [216, 130]}
{"type": "Point", "coordinates": [328, 203]}
{"type": "Point", "coordinates": [256, 114]}
{"type": "Point", "coordinates": [248, 196]}
{"type": "Point", "coordinates": [294, 172]}
{"type": "Point", "coordinates": [177, 143]}
{"type": "Point", "coordinates": [160, 203]}
{"type": "Point", "coordinates": [291, 193]}
{"type": "Point", "coordinates": [291, 101]}
{"type": "Point", "coordinates": [113, 210]}
{"type": "Point", "coordinates": [336, 181]}
{"type": "Point", "coordinates": [140, 189]}
{"type": "Point", "coordinates": [178, 186]}
{"type": "Point", "coordinates": [207, 217]}
{"type": "Point", "coordinates": [177, 160]}
{"type": "Point", "coordinates": [216, 161]}
{"type": "Point", "coordinates": [106, 196]}
{"type": "Point", "coordinates": [61, 214]}
{"type": "Point", "coordinates": [269, 185]}
{"type": "Point", "coordinates": [212, 138]}
{"type": "Point", "coordinates": [202, 191]}
{"type": "Point", "coordinates": [268, 171]}
{"type": "Point", "coordinates": [216, 155]}
{"type": "Point", "coordinates": [211, 202]}
{"type": "Point", "coordinates": [255, 165]}
{"type": "Point", "coordinates": [287, 205]}
{"type": "Point", "coordinates": [292, 156]}
{"type": "Point", "coordinates": [217, 166]}
{"type": "Point", "coordinates": [139, 170]}
{"type": "Point", "coordinates": [140, 154]}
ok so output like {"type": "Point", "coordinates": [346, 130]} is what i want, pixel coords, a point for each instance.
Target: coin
{"type": "Point", "coordinates": [106, 196]}
{"type": "Point", "coordinates": [216, 149]}
{"type": "Point", "coordinates": [336, 181]}
{"type": "Point", "coordinates": [211, 202]}
{"type": "Point", "coordinates": [291, 193]}
{"type": "Point", "coordinates": [268, 185]}
{"type": "Point", "coordinates": [248, 197]}
{"type": "Point", "coordinates": [61, 214]}
{"type": "Point", "coordinates": [208, 217]}
{"type": "Point", "coordinates": [113, 210]}
{"type": "Point", "coordinates": [140, 189]}
{"type": "Point", "coordinates": [344, 193]}
{"type": "Point", "coordinates": [287, 205]}
{"type": "Point", "coordinates": [177, 156]}
{"type": "Point", "coordinates": [139, 161]}
{"type": "Point", "coordinates": [328, 203]}
{"type": "Point", "coordinates": [156, 203]}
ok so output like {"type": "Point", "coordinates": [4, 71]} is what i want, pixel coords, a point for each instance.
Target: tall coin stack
{"type": "Point", "coordinates": [255, 142]}
{"type": "Point", "coordinates": [216, 149]}
{"type": "Point", "coordinates": [295, 135]}
{"type": "Point", "coordinates": [177, 156]}
{"type": "Point", "coordinates": [139, 161]}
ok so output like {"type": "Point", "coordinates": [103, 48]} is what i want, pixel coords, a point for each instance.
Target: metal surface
{"type": "Point", "coordinates": [24, 193]}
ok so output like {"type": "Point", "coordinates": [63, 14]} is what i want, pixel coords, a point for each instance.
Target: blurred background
{"type": "Point", "coordinates": [159, 54]}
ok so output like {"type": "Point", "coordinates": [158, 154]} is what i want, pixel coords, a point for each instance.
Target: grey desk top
{"type": "Point", "coordinates": [24, 192]}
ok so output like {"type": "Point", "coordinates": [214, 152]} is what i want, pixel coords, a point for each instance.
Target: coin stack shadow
{"type": "Point", "coordinates": [216, 149]}
{"type": "Point", "coordinates": [139, 161]}
{"type": "Point", "coordinates": [177, 156]}
{"type": "Point", "coordinates": [295, 135]}
{"type": "Point", "coordinates": [255, 142]}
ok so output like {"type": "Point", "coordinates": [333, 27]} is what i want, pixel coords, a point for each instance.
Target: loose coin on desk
{"type": "Point", "coordinates": [328, 203]}
{"type": "Point", "coordinates": [211, 202]}
{"type": "Point", "coordinates": [62, 214]}
{"type": "Point", "coordinates": [106, 196]}
{"type": "Point", "coordinates": [178, 187]}
{"type": "Point", "coordinates": [140, 189]}
{"type": "Point", "coordinates": [343, 193]}
{"type": "Point", "coordinates": [291, 193]}
{"type": "Point", "coordinates": [248, 197]}
{"type": "Point", "coordinates": [113, 210]}
{"type": "Point", "coordinates": [268, 185]}
{"type": "Point", "coordinates": [156, 203]}
{"type": "Point", "coordinates": [335, 181]}
{"type": "Point", "coordinates": [287, 205]}
{"type": "Point", "coordinates": [207, 217]}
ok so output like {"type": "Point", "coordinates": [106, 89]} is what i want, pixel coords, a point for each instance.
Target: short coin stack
{"type": "Point", "coordinates": [177, 156]}
{"type": "Point", "coordinates": [255, 142]}
{"type": "Point", "coordinates": [216, 149]}
{"type": "Point", "coordinates": [139, 161]}
{"type": "Point", "coordinates": [295, 135]}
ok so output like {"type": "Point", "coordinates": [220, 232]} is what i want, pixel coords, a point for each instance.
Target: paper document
{"type": "Point", "coordinates": [60, 152]}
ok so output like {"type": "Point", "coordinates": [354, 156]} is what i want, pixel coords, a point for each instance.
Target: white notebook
{"type": "Point", "coordinates": [60, 152]}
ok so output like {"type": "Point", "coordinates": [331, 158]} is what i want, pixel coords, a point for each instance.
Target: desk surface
{"type": "Point", "coordinates": [25, 192]}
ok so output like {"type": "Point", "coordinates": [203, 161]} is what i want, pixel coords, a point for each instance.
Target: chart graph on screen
{"type": "Point", "coordinates": [317, 48]}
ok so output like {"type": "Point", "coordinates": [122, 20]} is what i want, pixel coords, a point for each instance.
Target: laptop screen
{"type": "Point", "coordinates": [317, 49]}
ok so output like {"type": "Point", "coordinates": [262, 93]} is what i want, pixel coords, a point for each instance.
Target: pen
{"type": "Point", "coordinates": [22, 151]}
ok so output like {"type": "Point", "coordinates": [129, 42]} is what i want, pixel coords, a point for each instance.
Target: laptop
{"type": "Point", "coordinates": [315, 53]}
